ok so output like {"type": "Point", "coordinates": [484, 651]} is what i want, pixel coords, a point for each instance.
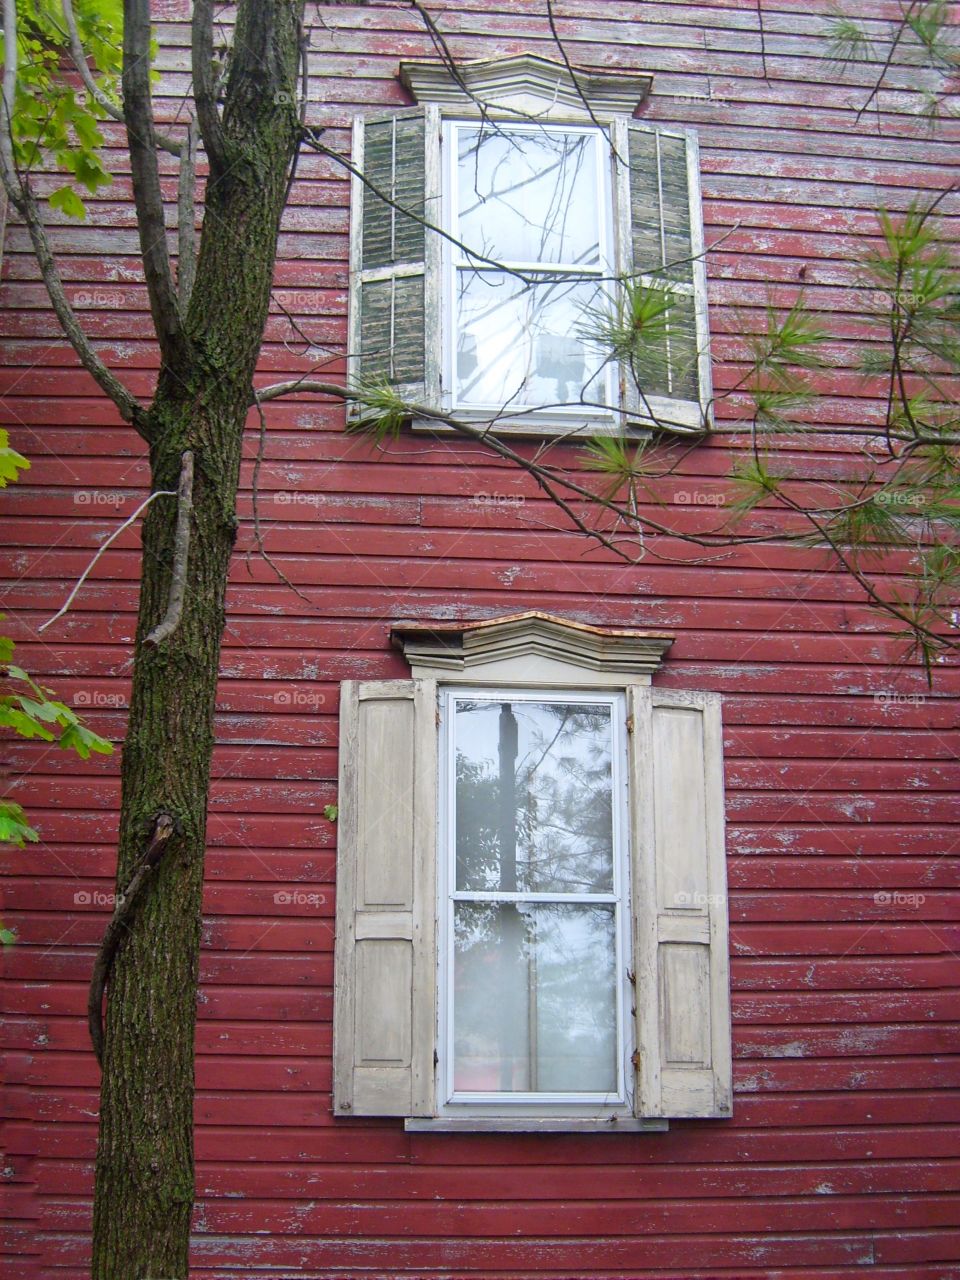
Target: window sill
{"type": "Point", "coordinates": [533, 1124]}
{"type": "Point", "coordinates": [579, 430]}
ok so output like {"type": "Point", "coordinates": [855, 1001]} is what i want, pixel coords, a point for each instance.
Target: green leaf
{"type": "Point", "coordinates": [67, 201]}
{"type": "Point", "coordinates": [23, 724]}
{"type": "Point", "coordinates": [14, 828]}
{"type": "Point", "coordinates": [11, 462]}
{"type": "Point", "coordinates": [83, 741]}
{"type": "Point", "coordinates": [331, 812]}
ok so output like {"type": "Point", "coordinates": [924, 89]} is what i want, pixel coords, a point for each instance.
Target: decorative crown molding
{"type": "Point", "coordinates": [527, 85]}
{"type": "Point", "coordinates": [531, 648]}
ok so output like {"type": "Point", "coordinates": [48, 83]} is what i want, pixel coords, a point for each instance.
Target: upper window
{"type": "Point", "coordinates": [531, 911]}
{"type": "Point", "coordinates": [534, 261]}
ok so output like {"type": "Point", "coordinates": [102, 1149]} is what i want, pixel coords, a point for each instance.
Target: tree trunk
{"type": "Point", "coordinates": [144, 1174]}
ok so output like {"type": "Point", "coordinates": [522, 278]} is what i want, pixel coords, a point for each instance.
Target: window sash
{"type": "Point", "coordinates": [449, 896]}
{"type": "Point", "coordinates": [600, 393]}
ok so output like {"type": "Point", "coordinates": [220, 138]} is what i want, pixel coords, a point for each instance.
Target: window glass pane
{"type": "Point", "coordinates": [534, 998]}
{"type": "Point", "coordinates": [529, 196]}
{"type": "Point", "coordinates": [518, 344]}
{"type": "Point", "coordinates": [534, 797]}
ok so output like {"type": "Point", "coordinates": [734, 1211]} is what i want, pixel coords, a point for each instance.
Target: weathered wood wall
{"type": "Point", "coordinates": [841, 767]}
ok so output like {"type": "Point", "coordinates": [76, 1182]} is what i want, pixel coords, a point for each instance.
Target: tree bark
{"type": "Point", "coordinates": [144, 1173]}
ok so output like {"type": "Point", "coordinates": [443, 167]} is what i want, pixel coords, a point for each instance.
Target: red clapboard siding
{"type": "Point", "coordinates": [841, 764]}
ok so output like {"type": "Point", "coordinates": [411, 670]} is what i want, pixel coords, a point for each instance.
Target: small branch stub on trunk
{"type": "Point", "coordinates": [181, 553]}
{"type": "Point", "coordinates": [163, 828]}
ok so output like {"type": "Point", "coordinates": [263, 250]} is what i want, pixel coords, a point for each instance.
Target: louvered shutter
{"type": "Point", "coordinates": [385, 982]}
{"type": "Point", "coordinates": [660, 243]}
{"type": "Point", "coordinates": [681, 957]}
{"type": "Point", "coordinates": [394, 277]}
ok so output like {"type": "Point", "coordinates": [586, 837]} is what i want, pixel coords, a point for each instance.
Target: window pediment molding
{"type": "Point", "coordinates": [527, 85]}
{"type": "Point", "coordinates": [531, 648]}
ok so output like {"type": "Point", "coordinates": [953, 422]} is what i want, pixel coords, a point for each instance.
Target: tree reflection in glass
{"type": "Point", "coordinates": [527, 197]}
{"type": "Point", "coordinates": [534, 913]}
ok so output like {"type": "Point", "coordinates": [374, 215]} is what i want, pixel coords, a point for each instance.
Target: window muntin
{"type": "Point", "coordinates": [538, 200]}
{"type": "Point", "coordinates": [533, 897]}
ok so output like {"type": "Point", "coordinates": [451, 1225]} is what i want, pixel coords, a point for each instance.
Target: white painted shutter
{"type": "Point", "coordinates": [394, 259]}
{"type": "Point", "coordinates": [681, 949]}
{"type": "Point", "coordinates": [660, 244]}
{"type": "Point", "coordinates": [385, 982]}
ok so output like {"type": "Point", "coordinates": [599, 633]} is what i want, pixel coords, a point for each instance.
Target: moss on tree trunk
{"type": "Point", "coordinates": [144, 1173]}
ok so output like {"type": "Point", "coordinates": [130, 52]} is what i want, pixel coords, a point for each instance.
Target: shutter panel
{"type": "Point", "coordinates": [680, 905]}
{"type": "Point", "coordinates": [660, 233]}
{"type": "Point", "coordinates": [385, 983]}
{"type": "Point", "coordinates": [394, 276]}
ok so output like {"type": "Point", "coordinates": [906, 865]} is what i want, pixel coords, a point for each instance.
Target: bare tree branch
{"type": "Point", "coordinates": [83, 67]}
{"type": "Point", "coordinates": [186, 218]}
{"type": "Point", "coordinates": [181, 555]}
{"type": "Point", "coordinates": [255, 503]}
{"type": "Point", "coordinates": [157, 493]}
{"type": "Point", "coordinates": [21, 197]}
{"type": "Point", "coordinates": [894, 43]}
{"type": "Point", "coordinates": [142, 145]}
{"type": "Point", "coordinates": [205, 87]}
{"type": "Point", "coordinates": [564, 491]}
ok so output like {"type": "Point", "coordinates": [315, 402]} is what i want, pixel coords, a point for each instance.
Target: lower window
{"type": "Point", "coordinates": [534, 911]}
{"type": "Point", "coordinates": [531, 928]}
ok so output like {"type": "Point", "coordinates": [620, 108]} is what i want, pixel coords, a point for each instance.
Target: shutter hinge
{"type": "Point", "coordinates": [629, 724]}
{"type": "Point", "coordinates": [436, 1058]}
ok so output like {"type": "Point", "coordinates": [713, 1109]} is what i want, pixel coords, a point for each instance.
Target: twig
{"type": "Point", "coordinates": [181, 554]}
{"type": "Point", "coordinates": [763, 40]}
{"type": "Point", "coordinates": [158, 493]}
{"type": "Point", "coordinates": [22, 198]}
{"type": "Point", "coordinates": [163, 828]}
{"type": "Point", "coordinates": [204, 87]}
{"type": "Point", "coordinates": [255, 499]}
{"type": "Point", "coordinates": [878, 83]}
{"type": "Point", "coordinates": [145, 173]}
{"type": "Point", "coordinates": [551, 19]}
{"type": "Point", "coordinates": [80, 62]}
{"type": "Point", "coordinates": [186, 217]}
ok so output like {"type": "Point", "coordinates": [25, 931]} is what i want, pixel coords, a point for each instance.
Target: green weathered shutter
{"type": "Point", "coordinates": [392, 274]}
{"type": "Point", "coordinates": [661, 243]}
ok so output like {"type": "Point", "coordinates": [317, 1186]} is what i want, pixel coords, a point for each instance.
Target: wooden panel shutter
{"type": "Point", "coordinates": [385, 983]}
{"type": "Point", "coordinates": [681, 956]}
{"type": "Point", "coordinates": [660, 242]}
{"type": "Point", "coordinates": [394, 276]}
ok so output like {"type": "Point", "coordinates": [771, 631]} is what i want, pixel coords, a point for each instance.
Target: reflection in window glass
{"type": "Point", "coordinates": [534, 998]}
{"type": "Point", "coordinates": [534, 977]}
{"type": "Point", "coordinates": [533, 797]}
{"type": "Point", "coordinates": [518, 343]}
{"type": "Point", "coordinates": [529, 196]}
{"type": "Point", "coordinates": [532, 199]}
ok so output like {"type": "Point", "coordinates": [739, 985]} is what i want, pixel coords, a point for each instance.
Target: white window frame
{"type": "Point", "coordinates": [540, 1102]}
{"type": "Point", "coordinates": [528, 90]}
{"type": "Point", "coordinates": [454, 259]}
{"type": "Point", "coordinates": [386, 1046]}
